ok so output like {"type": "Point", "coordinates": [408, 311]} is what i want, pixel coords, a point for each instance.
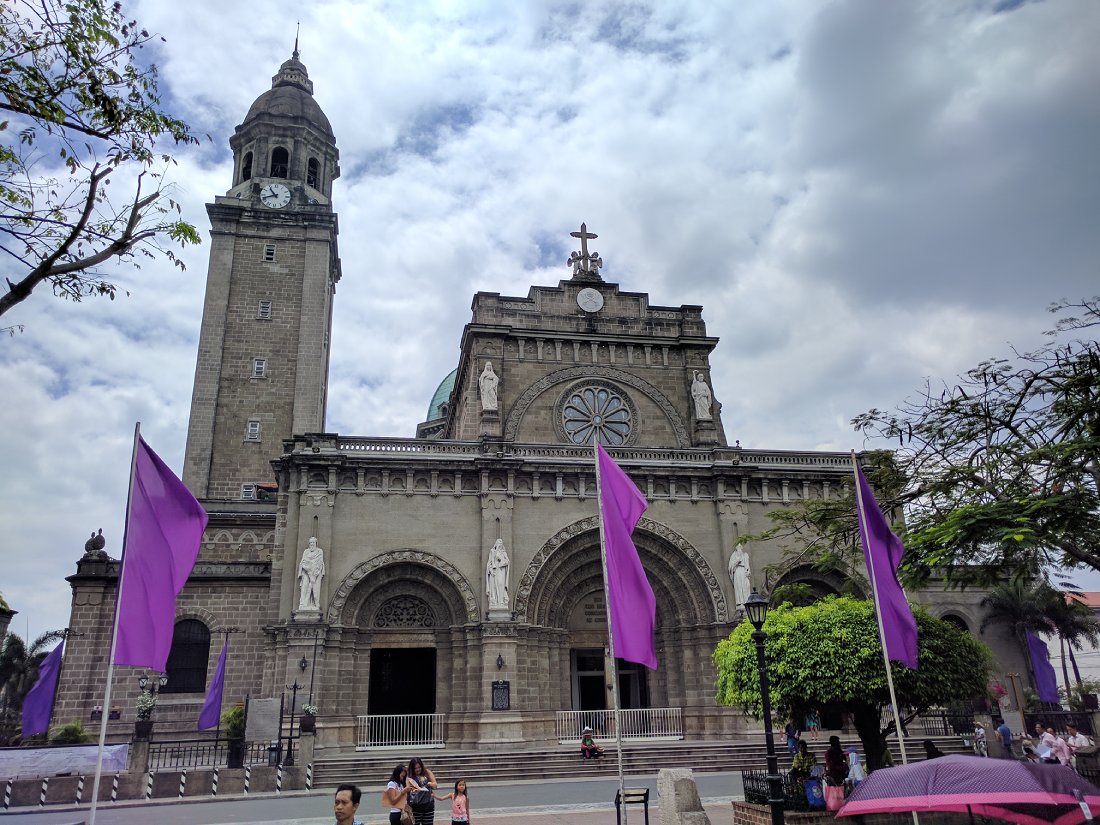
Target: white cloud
{"type": "Point", "coordinates": [859, 195]}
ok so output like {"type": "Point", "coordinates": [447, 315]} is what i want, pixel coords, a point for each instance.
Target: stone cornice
{"type": "Point", "coordinates": [102, 570]}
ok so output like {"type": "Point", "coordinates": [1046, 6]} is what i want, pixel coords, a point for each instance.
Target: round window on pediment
{"type": "Point", "coordinates": [597, 409]}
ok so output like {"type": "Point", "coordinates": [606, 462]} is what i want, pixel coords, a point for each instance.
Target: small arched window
{"type": "Point", "coordinates": [188, 658]}
{"type": "Point", "coordinates": [313, 173]}
{"type": "Point", "coordinates": [958, 621]}
{"type": "Point", "coordinates": [246, 167]}
{"type": "Point", "coordinates": [280, 162]}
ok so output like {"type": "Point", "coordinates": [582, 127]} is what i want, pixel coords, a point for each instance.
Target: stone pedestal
{"type": "Point", "coordinates": [490, 423]}
{"type": "Point", "coordinates": [500, 614]}
{"type": "Point", "coordinates": [706, 434]}
{"type": "Point", "coordinates": [500, 728]}
{"type": "Point", "coordinates": [306, 616]}
{"type": "Point", "coordinates": [679, 798]}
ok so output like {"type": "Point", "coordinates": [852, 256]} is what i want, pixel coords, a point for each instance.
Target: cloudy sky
{"type": "Point", "coordinates": [860, 194]}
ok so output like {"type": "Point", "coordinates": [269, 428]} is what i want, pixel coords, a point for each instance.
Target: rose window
{"type": "Point", "coordinates": [591, 412]}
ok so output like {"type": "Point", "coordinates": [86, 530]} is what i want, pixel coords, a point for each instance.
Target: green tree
{"type": "Point", "coordinates": [18, 673]}
{"type": "Point", "coordinates": [1002, 465]}
{"type": "Point", "coordinates": [828, 653]}
{"type": "Point", "coordinates": [83, 110]}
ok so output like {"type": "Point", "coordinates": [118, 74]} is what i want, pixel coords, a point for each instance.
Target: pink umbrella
{"type": "Point", "coordinates": [1024, 792]}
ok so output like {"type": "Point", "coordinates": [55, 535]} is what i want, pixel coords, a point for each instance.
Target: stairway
{"type": "Point", "coordinates": [374, 767]}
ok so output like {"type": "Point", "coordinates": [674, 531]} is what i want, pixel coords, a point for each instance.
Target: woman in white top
{"type": "Point", "coordinates": [396, 793]}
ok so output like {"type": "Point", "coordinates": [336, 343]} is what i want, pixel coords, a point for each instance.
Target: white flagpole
{"type": "Point", "coordinates": [114, 636]}
{"type": "Point", "coordinates": [610, 637]}
{"type": "Point", "coordinates": [878, 613]}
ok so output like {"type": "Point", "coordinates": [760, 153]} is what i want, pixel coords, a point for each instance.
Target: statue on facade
{"type": "Point", "coordinates": [487, 383]}
{"type": "Point", "coordinates": [496, 576]}
{"type": "Point", "coordinates": [93, 547]}
{"type": "Point", "coordinates": [700, 394]}
{"type": "Point", "coordinates": [740, 575]}
{"type": "Point", "coordinates": [310, 572]}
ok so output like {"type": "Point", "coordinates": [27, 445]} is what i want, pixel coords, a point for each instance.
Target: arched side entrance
{"type": "Point", "coordinates": [396, 613]}
{"type": "Point", "coordinates": [563, 589]}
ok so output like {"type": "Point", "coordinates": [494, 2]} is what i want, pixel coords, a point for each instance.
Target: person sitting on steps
{"type": "Point", "coordinates": [589, 748]}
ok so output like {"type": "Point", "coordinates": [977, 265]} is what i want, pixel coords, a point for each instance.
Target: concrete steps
{"type": "Point", "coordinates": [564, 762]}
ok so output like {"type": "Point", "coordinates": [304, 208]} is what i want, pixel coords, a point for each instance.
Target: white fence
{"type": "Point", "coordinates": [639, 723]}
{"type": "Point", "coordinates": [423, 730]}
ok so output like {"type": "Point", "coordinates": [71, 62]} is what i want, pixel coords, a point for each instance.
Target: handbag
{"type": "Point", "coordinates": [834, 797]}
{"type": "Point", "coordinates": [406, 815]}
{"type": "Point", "coordinates": [814, 797]}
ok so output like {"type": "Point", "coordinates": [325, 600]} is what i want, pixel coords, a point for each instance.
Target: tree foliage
{"type": "Point", "coordinates": [1002, 466]}
{"type": "Point", "coordinates": [82, 110]}
{"type": "Point", "coordinates": [18, 673]}
{"type": "Point", "coordinates": [828, 654]}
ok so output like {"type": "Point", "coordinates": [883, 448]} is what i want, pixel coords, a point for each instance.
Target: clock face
{"type": "Point", "coordinates": [590, 300]}
{"type": "Point", "coordinates": [275, 195]}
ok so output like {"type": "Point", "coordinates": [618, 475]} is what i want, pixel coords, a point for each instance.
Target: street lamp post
{"type": "Point", "coordinates": [756, 610]}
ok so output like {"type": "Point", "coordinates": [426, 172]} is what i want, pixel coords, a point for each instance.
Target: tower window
{"type": "Point", "coordinates": [248, 492]}
{"type": "Point", "coordinates": [188, 658]}
{"type": "Point", "coordinates": [259, 368]}
{"type": "Point", "coordinates": [269, 252]}
{"type": "Point", "coordinates": [280, 162]}
{"type": "Point", "coordinates": [264, 312]}
{"type": "Point", "coordinates": [313, 173]}
{"type": "Point", "coordinates": [252, 433]}
{"type": "Point", "coordinates": [246, 167]}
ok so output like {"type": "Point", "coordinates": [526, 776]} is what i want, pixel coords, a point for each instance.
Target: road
{"type": "Point", "coordinates": [579, 801]}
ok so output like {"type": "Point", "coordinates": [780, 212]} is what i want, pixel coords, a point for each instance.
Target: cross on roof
{"type": "Point", "coordinates": [584, 235]}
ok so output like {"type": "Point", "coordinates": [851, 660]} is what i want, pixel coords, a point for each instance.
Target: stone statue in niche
{"type": "Point", "coordinates": [740, 575]}
{"type": "Point", "coordinates": [700, 394]}
{"type": "Point", "coordinates": [496, 576]}
{"type": "Point", "coordinates": [487, 383]}
{"type": "Point", "coordinates": [310, 572]}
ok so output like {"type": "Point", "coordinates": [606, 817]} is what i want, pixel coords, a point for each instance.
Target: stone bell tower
{"type": "Point", "coordinates": [262, 371]}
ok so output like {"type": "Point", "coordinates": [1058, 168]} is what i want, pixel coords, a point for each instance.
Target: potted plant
{"type": "Point", "coordinates": [233, 721]}
{"type": "Point", "coordinates": [146, 703]}
{"type": "Point", "coordinates": [308, 722]}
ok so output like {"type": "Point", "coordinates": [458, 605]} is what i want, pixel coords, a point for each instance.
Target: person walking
{"type": "Point", "coordinates": [346, 804]}
{"type": "Point", "coordinates": [460, 803]}
{"type": "Point", "coordinates": [813, 724]}
{"type": "Point", "coordinates": [794, 735]}
{"type": "Point", "coordinates": [420, 799]}
{"type": "Point", "coordinates": [1004, 733]}
{"type": "Point", "coordinates": [396, 794]}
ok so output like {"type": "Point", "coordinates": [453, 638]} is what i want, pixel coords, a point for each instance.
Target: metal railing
{"type": "Point", "coordinates": [399, 730]}
{"type": "Point", "coordinates": [172, 754]}
{"type": "Point", "coordinates": [637, 723]}
{"type": "Point", "coordinates": [944, 723]}
{"type": "Point", "coordinates": [757, 792]}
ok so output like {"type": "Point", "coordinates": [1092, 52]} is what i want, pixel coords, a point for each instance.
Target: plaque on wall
{"type": "Point", "coordinates": [502, 695]}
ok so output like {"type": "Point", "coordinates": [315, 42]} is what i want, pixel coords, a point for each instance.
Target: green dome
{"type": "Point", "coordinates": [441, 396]}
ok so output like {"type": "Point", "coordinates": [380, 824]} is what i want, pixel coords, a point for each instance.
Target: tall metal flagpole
{"type": "Point", "coordinates": [610, 636]}
{"type": "Point", "coordinates": [114, 635]}
{"type": "Point", "coordinates": [878, 613]}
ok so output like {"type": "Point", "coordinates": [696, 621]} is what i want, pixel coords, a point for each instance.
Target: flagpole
{"type": "Point", "coordinates": [878, 613]}
{"type": "Point", "coordinates": [114, 635]}
{"type": "Point", "coordinates": [610, 636]}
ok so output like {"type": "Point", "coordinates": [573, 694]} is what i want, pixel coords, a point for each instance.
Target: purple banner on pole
{"type": "Point", "coordinates": [633, 606]}
{"type": "Point", "coordinates": [162, 542]}
{"type": "Point", "coordinates": [38, 703]}
{"type": "Point", "coordinates": [882, 551]}
{"type": "Point", "coordinates": [212, 708]}
{"type": "Point", "coordinates": [1046, 683]}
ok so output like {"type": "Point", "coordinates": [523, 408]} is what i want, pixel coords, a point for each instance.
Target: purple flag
{"type": "Point", "coordinates": [1046, 684]}
{"type": "Point", "coordinates": [633, 606]}
{"type": "Point", "coordinates": [162, 542]}
{"type": "Point", "coordinates": [38, 703]}
{"type": "Point", "coordinates": [212, 708]}
{"type": "Point", "coordinates": [882, 551]}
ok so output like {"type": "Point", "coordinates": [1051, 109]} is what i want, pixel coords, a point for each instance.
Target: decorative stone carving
{"type": "Point", "coordinates": [311, 570]}
{"type": "Point", "coordinates": [740, 575]}
{"type": "Point", "coordinates": [597, 408]}
{"type": "Point", "coordinates": [497, 570]}
{"type": "Point", "coordinates": [519, 409]}
{"type": "Point", "coordinates": [93, 547]}
{"type": "Point", "coordinates": [404, 611]}
{"type": "Point", "coordinates": [487, 383]}
{"type": "Point", "coordinates": [340, 597]}
{"type": "Point", "coordinates": [700, 394]}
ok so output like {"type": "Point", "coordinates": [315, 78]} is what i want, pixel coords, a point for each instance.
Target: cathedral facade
{"type": "Point", "coordinates": [456, 572]}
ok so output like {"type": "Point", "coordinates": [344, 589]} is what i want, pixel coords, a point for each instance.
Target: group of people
{"type": "Point", "coordinates": [1047, 746]}
{"type": "Point", "coordinates": [841, 767]}
{"type": "Point", "coordinates": [409, 794]}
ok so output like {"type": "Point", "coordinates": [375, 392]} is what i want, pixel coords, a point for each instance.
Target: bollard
{"type": "Point", "coordinates": [247, 777]}
{"type": "Point", "coordinates": [183, 783]}
{"type": "Point", "coordinates": [279, 778]}
{"type": "Point", "coordinates": [214, 782]}
{"type": "Point", "coordinates": [7, 794]}
{"type": "Point", "coordinates": [114, 789]}
{"type": "Point", "coordinates": [42, 793]}
{"type": "Point", "coordinates": [149, 786]}
{"type": "Point", "coordinates": [79, 790]}
{"type": "Point", "coordinates": [309, 777]}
